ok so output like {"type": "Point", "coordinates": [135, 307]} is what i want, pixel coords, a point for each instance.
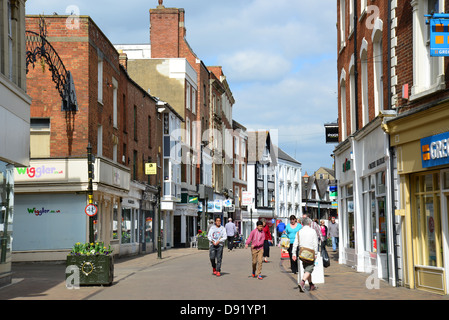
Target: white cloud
{"type": "Point", "coordinates": [279, 58]}
{"type": "Point", "coordinates": [250, 65]}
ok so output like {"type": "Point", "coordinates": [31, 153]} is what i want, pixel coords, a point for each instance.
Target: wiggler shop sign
{"type": "Point", "coordinates": [37, 172]}
{"type": "Point", "coordinates": [435, 150]}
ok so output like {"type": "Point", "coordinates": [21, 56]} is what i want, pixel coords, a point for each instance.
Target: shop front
{"type": "Point", "coordinates": [421, 140]}
{"type": "Point", "coordinates": [344, 165]}
{"type": "Point", "coordinates": [364, 174]}
{"type": "Point", "coordinates": [6, 219]}
{"type": "Point", "coordinates": [50, 202]}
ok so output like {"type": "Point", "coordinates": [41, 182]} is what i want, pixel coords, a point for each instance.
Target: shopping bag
{"type": "Point", "coordinates": [326, 260]}
{"type": "Point", "coordinates": [285, 241]}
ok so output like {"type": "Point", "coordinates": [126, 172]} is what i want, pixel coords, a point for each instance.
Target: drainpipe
{"type": "Point", "coordinates": [356, 72]}
{"type": "Point", "coordinates": [392, 152]}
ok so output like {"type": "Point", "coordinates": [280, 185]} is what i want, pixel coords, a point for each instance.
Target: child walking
{"type": "Point", "coordinates": [217, 236]}
{"type": "Point", "coordinates": [256, 238]}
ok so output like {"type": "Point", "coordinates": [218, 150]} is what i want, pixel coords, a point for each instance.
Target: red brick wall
{"type": "Point", "coordinates": [344, 59]}
{"type": "Point", "coordinates": [68, 136]}
{"type": "Point", "coordinates": [404, 52]}
{"type": "Point", "coordinates": [78, 50]}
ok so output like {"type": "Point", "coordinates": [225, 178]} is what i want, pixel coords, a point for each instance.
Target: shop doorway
{"type": "Point", "coordinates": [429, 221]}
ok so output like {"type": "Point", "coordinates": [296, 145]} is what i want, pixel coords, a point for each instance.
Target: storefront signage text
{"type": "Point", "coordinates": [435, 150]}
{"type": "Point", "coordinates": [40, 212]}
{"type": "Point", "coordinates": [37, 172]}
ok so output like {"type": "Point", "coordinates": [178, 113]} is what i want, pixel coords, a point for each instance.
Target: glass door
{"type": "Point", "coordinates": [427, 232]}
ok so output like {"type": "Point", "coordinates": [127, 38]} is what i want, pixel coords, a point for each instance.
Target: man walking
{"type": "Point", "coordinates": [256, 238]}
{"type": "Point", "coordinates": [306, 240]}
{"type": "Point", "coordinates": [333, 233]}
{"type": "Point", "coordinates": [280, 230]}
{"type": "Point", "coordinates": [231, 231]}
{"type": "Point", "coordinates": [217, 236]}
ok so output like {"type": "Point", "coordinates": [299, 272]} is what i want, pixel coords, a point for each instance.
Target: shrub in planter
{"type": "Point", "coordinates": [203, 241]}
{"type": "Point", "coordinates": [94, 262]}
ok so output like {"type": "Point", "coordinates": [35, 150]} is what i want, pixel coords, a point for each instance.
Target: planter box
{"type": "Point", "coordinates": [93, 270]}
{"type": "Point", "coordinates": [203, 243]}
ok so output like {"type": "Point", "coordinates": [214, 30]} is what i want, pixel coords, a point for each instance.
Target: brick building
{"type": "Point", "coordinates": [364, 162]}
{"type": "Point", "coordinates": [121, 122]}
{"type": "Point", "coordinates": [173, 72]}
{"type": "Point", "coordinates": [419, 134]}
{"type": "Point", "coordinates": [392, 162]}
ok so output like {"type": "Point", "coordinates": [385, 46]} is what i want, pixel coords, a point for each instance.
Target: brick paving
{"type": "Point", "coordinates": [184, 273]}
{"type": "Point", "coordinates": [342, 282]}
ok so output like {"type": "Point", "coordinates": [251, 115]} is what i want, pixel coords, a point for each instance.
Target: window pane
{"type": "Point", "coordinates": [126, 226]}
{"type": "Point", "coordinates": [446, 180]}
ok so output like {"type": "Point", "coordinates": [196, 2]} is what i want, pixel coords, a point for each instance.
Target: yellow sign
{"type": "Point", "coordinates": [150, 168]}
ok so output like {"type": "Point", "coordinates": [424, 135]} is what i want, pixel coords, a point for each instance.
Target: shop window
{"type": "Point", "coordinates": [374, 213]}
{"type": "Point", "coordinates": [126, 226]}
{"type": "Point", "coordinates": [427, 220]}
{"type": "Point", "coordinates": [40, 137]}
{"type": "Point", "coordinates": [428, 72]}
{"type": "Point", "coordinates": [115, 223]}
{"type": "Point", "coordinates": [6, 212]}
{"type": "Point", "coordinates": [149, 236]}
{"type": "Point", "coordinates": [446, 180]}
{"type": "Point", "coordinates": [349, 204]}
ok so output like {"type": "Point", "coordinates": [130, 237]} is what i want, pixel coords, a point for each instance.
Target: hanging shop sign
{"type": "Point", "coordinates": [435, 150]}
{"type": "Point", "coordinates": [331, 132]}
{"type": "Point", "coordinates": [346, 165]}
{"type": "Point", "coordinates": [439, 34]}
{"type": "Point", "coordinates": [150, 168]}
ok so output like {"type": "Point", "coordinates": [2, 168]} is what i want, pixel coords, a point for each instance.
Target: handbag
{"type": "Point", "coordinates": [306, 254]}
{"type": "Point", "coordinates": [326, 260]}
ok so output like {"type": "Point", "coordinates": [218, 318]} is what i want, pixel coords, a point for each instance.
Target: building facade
{"type": "Point", "coordinates": [119, 120]}
{"type": "Point", "coordinates": [240, 179]}
{"type": "Point", "coordinates": [262, 163]}
{"type": "Point", "coordinates": [288, 187]}
{"type": "Point", "coordinates": [364, 162]}
{"type": "Point", "coordinates": [201, 95]}
{"type": "Point", "coordinates": [14, 120]}
{"type": "Point", "coordinates": [419, 135]}
{"type": "Point", "coordinates": [317, 195]}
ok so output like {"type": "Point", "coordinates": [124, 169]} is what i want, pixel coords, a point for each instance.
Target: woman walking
{"type": "Point", "coordinates": [268, 240]}
{"type": "Point", "coordinates": [291, 230]}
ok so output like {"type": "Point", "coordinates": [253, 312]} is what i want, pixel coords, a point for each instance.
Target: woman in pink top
{"type": "Point", "coordinates": [256, 238]}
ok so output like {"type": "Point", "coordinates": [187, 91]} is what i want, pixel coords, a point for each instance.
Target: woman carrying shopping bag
{"type": "Point", "coordinates": [292, 228]}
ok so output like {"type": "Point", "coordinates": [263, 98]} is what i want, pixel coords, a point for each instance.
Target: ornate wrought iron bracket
{"type": "Point", "coordinates": [37, 47]}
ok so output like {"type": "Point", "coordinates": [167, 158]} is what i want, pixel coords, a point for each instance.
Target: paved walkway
{"type": "Point", "coordinates": [344, 283]}
{"type": "Point", "coordinates": [185, 274]}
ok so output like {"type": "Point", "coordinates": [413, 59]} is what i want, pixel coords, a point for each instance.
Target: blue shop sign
{"type": "Point", "coordinates": [439, 34]}
{"type": "Point", "coordinates": [435, 150]}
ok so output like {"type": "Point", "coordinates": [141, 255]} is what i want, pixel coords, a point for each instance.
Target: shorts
{"type": "Point", "coordinates": [308, 266]}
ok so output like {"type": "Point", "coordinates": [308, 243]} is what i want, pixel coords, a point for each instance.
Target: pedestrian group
{"type": "Point", "coordinates": [306, 238]}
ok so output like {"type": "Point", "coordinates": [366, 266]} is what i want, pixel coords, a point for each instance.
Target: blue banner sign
{"type": "Point", "coordinates": [435, 150]}
{"type": "Point", "coordinates": [439, 34]}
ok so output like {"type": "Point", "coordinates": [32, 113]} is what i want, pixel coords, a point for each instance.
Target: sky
{"type": "Point", "coordinates": [279, 58]}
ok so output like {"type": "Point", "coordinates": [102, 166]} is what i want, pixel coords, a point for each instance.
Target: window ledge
{"type": "Point", "coordinates": [418, 94]}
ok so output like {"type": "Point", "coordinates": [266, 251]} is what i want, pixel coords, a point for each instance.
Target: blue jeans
{"type": "Point", "coordinates": [334, 243]}
{"type": "Point", "coordinates": [216, 255]}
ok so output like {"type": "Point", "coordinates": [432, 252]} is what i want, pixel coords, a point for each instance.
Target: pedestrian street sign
{"type": "Point", "coordinates": [150, 168]}
{"type": "Point", "coordinates": [439, 34]}
{"type": "Point", "coordinates": [91, 210]}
